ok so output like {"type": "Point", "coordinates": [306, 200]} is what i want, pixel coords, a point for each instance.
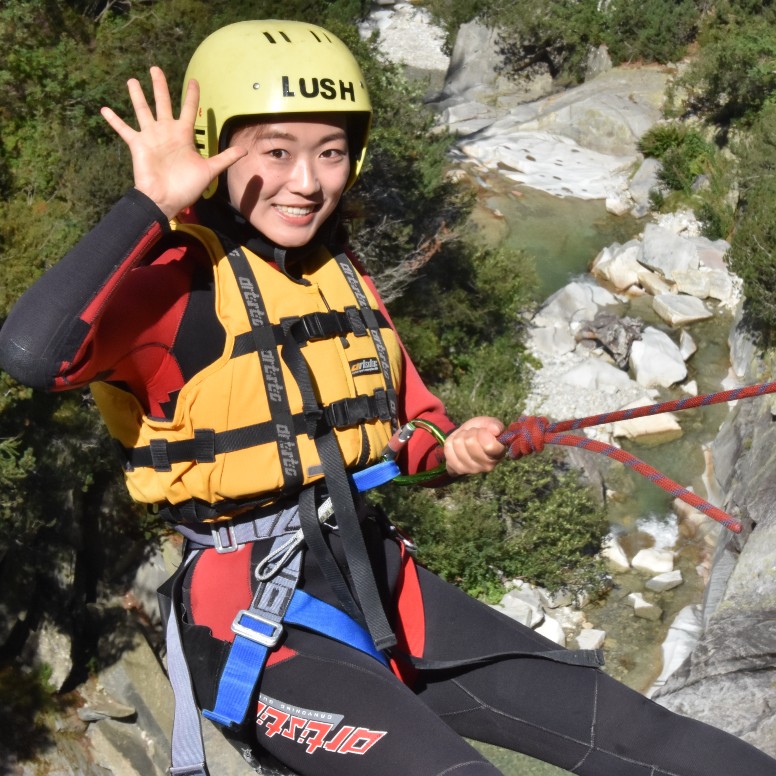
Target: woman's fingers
{"type": "Point", "coordinates": [161, 94]}
{"type": "Point", "coordinates": [190, 103]}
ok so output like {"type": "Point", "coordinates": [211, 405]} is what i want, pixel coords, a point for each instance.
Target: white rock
{"type": "Point", "coordinates": [551, 340]}
{"type": "Point", "coordinates": [666, 252]}
{"type": "Point", "coordinates": [656, 360]}
{"type": "Point", "coordinates": [551, 629]}
{"type": "Point", "coordinates": [523, 604]}
{"type": "Point", "coordinates": [542, 160]}
{"type": "Point", "coordinates": [653, 283]}
{"type": "Point", "coordinates": [681, 639]}
{"type": "Point", "coordinates": [680, 310]}
{"type": "Point", "coordinates": [712, 253]}
{"type": "Point", "coordinates": [653, 561]}
{"type": "Point", "coordinates": [722, 286]}
{"type": "Point", "coordinates": [664, 423]}
{"type": "Point", "coordinates": [643, 182]}
{"type": "Point", "coordinates": [643, 608]}
{"type": "Point", "coordinates": [614, 555]}
{"type": "Point", "coordinates": [618, 265]}
{"type": "Point", "coordinates": [663, 582]}
{"type": "Point", "coordinates": [577, 301]}
{"type": "Point", "coordinates": [693, 282]}
{"type": "Point", "coordinates": [555, 600]}
{"type": "Point", "coordinates": [596, 375]}
{"type": "Point", "coordinates": [407, 35]}
{"type": "Point", "coordinates": [591, 638]}
{"type": "Point", "coordinates": [687, 346]}
{"type": "Point", "coordinates": [690, 388]}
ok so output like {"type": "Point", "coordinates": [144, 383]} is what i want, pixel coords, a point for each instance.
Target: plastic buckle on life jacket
{"type": "Point", "coordinates": [224, 531]}
{"type": "Point", "coordinates": [268, 640]}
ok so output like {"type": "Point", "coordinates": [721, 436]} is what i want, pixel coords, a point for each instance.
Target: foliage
{"type": "Point", "coordinates": [683, 152]}
{"type": "Point", "coordinates": [650, 31]}
{"type": "Point", "coordinates": [751, 254]}
{"type": "Point", "coordinates": [734, 75]}
{"type": "Point", "coordinates": [687, 158]}
{"type": "Point", "coordinates": [558, 34]}
{"type": "Point", "coordinates": [531, 519]}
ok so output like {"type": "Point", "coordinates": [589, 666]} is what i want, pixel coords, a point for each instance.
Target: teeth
{"type": "Point", "coordinates": [295, 211]}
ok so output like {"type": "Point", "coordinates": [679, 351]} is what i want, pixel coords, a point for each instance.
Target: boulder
{"type": "Point", "coordinates": [687, 346]}
{"type": "Point", "coordinates": [591, 638]}
{"type": "Point", "coordinates": [680, 310]}
{"type": "Point", "coordinates": [614, 555]}
{"type": "Point", "coordinates": [681, 639]}
{"type": "Point", "coordinates": [643, 608]}
{"type": "Point", "coordinates": [664, 424]}
{"type": "Point", "coordinates": [665, 252]}
{"type": "Point", "coordinates": [656, 361]}
{"type": "Point", "coordinates": [551, 629]}
{"type": "Point", "coordinates": [642, 184]}
{"type": "Point", "coordinates": [618, 265]}
{"type": "Point", "coordinates": [653, 561]}
{"type": "Point", "coordinates": [667, 581]}
{"type": "Point", "coordinates": [575, 302]}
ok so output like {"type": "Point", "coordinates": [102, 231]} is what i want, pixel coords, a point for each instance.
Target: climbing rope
{"type": "Point", "coordinates": [529, 434]}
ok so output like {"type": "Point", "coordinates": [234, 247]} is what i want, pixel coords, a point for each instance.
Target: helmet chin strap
{"type": "Point", "coordinates": [221, 216]}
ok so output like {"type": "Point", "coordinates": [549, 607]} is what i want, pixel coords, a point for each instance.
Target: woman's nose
{"type": "Point", "coordinates": [305, 179]}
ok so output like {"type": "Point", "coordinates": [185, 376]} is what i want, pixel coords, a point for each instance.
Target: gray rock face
{"type": "Point", "coordinates": [728, 679]}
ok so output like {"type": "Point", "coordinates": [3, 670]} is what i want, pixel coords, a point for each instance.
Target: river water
{"type": "Point", "coordinates": [565, 235]}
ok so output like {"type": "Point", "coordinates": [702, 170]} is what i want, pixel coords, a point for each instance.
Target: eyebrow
{"type": "Point", "coordinates": [338, 134]}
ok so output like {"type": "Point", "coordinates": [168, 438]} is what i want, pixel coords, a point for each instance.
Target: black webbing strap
{"type": "Point", "coordinates": [353, 541]}
{"type": "Point", "coordinates": [207, 444]}
{"type": "Point", "coordinates": [310, 327]}
{"type": "Point", "coordinates": [160, 454]}
{"type": "Point", "coordinates": [592, 658]}
{"type": "Point", "coordinates": [316, 544]}
{"type": "Point", "coordinates": [372, 323]}
{"type": "Point", "coordinates": [341, 496]}
{"type": "Point", "coordinates": [269, 360]}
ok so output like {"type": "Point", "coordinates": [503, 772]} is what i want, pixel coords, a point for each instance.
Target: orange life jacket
{"type": "Point", "coordinates": [300, 356]}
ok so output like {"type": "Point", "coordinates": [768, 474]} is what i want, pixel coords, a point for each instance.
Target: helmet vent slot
{"type": "Point", "coordinates": [282, 34]}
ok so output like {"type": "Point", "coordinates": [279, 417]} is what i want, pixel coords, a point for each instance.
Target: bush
{"type": "Point", "coordinates": [751, 253]}
{"type": "Point", "coordinates": [734, 75]}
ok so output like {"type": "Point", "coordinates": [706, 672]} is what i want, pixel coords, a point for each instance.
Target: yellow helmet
{"type": "Point", "coordinates": [258, 68]}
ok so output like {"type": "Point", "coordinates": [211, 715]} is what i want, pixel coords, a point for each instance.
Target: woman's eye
{"type": "Point", "coordinates": [333, 153]}
{"type": "Point", "coordinates": [277, 153]}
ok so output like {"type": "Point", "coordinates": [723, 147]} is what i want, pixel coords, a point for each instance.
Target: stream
{"type": "Point", "coordinates": [565, 235]}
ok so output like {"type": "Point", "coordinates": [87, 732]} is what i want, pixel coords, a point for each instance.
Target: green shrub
{"type": "Point", "coordinates": [751, 255]}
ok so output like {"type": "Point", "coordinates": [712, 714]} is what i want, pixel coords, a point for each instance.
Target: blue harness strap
{"type": "Point", "coordinates": [256, 637]}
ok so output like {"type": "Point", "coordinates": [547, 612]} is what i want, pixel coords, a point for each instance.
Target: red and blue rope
{"type": "Point", "coordinates": [530, 433]}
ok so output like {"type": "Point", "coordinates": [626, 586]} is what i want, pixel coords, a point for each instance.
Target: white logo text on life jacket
{"type": "Point", "coordinates": [365, 366]}
{"type": "Point", "coordinates": [326, 88]}
{"type": "Point", "coordinates": [313, 729]}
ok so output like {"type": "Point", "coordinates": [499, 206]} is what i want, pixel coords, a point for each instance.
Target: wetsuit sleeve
{"type": "Point", "coordinates": [417, 402]}
{"type": "Point", "coordinates": [46, 339]}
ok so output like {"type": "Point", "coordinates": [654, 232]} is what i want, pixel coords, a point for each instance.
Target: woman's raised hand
{"type": "Point", "coordinates": [167, 166]}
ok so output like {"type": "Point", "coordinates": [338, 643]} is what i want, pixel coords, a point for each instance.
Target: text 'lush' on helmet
{"type": "Point", "coordinates": [270, 67]}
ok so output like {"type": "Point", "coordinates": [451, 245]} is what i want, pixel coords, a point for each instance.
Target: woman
{"type": "Point", "coordinates": [252, 379]}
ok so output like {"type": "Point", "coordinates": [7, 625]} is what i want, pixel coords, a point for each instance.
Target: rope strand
{"type": "Point", "coordinates": [530, 433]}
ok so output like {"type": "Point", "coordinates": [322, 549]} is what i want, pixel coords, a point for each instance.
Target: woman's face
{"type": "Point", "coordinates": [293, 176]}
